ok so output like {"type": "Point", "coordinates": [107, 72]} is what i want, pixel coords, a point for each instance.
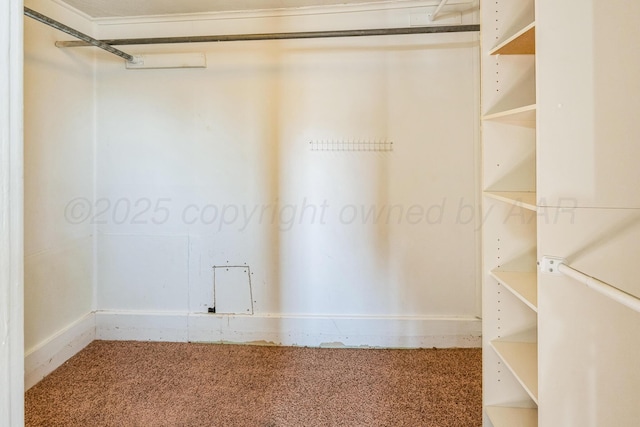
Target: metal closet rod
{"type": "Point", "coordinates": [282, 36]}
{"type": "Point", "coordinates": [87, 40]}
{"type": "Point", "coordinates": [107, 45]}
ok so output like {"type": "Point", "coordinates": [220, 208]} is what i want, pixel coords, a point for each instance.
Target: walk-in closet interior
{"type": "Point", "coordinates": [330, 173]}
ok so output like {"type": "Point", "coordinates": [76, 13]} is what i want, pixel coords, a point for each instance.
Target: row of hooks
{"type": "Point", "coordinates": [353, 145]}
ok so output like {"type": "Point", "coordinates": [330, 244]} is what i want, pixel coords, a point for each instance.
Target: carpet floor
{"type": "Point", "coordinates": [178, 384]}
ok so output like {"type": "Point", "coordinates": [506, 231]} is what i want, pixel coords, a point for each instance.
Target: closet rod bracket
{"type": "Point", "coordinates": [551, 265]}
{"type": "Point", "coordinates": [435, 13]}
{"type": "Point", "coordinates": [87, 40]}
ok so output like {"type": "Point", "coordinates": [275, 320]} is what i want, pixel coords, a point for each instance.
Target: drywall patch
{"type": "Point", "coordinates": [232, 293]}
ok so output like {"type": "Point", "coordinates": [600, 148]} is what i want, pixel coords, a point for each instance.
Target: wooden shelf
{"type": "Point", "coordinates": [509, 122]}
{"type": "Point", "coordinates": [523, 199]}
{"type": "Point", "coordinates": [522, 360]}
{"type": "Point", "coordinates": [502, 416]}
{"type": "Point", "coordinates": [521, 43]}
{"type": "Point", "coordinates": [523, 284]}
{"type": "Point", "coordinates": [526, 115]}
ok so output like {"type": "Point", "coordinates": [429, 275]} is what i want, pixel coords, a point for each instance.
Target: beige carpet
{"type": "Point", "coordinates": [177, 384]}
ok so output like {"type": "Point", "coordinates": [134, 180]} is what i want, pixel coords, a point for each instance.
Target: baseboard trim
{"type": "Point", "coordinates": [268, 329]}
{"type": "Point", "coordinates": [43, 359]}
{"type": "Point", "coordinates": [291, 330]}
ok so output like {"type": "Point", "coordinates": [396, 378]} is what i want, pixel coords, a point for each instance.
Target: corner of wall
{"type": "Point", "coordinates": [59, 167]}
{"type": "Point", "coordinates": [52, 353]}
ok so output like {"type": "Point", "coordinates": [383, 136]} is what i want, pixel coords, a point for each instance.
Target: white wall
{"type": "Point", "coordinates": [175, 144]}
{"type": "Point", "coordinates": [59, 168]}
{"type": "Point", "coordinates": [588, 153]}
{"type": "Point", "coordinates": [11, 223]}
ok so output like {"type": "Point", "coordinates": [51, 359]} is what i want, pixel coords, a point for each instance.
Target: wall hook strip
{"type": "Point", "coordinates": [352, 145]}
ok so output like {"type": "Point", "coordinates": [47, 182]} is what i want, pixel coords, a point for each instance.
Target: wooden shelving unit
{"type": "Point", "coordinates": [523, 42]}
{"type": "Point", "coordinates": [510, 291]}
{"type": "Point", "coordinates": [523, 199]}
{"type": "Point", "coordinates": [502, 416]}
{"type": "Point", "coordinates": [526, 113]}
{"type": "Point", "coordinates": [522, 360]}
{"type": "Point", "coordinates": [523, 284]}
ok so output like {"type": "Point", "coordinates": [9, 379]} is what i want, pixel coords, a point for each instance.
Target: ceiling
{"type": "Point", "coordinates": [130, 8]}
